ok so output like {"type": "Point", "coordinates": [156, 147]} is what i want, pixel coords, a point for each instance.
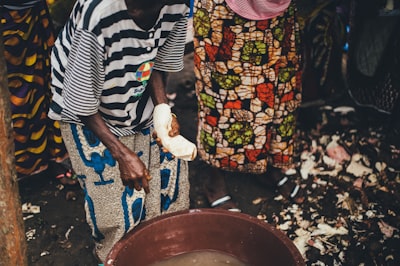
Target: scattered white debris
{"type": "Point", "coordinates": [344, 110]}
{"type": "Point", "coordinates": [262, 216]}
{"type": "Point", "coordinates": [68, 232]}
{"type": "Point", "coordinates": [329, 161]}
{"type": "Point", "coordinates": [258, 200]}
{"type": "Point", "coordinates": [29, 208]}
{"type": "Point", "coordinates": [372, 180]}
{"type": "Point", "coordinates": [327, 230]}
{"type": "Point", "coordinates": [380, 166]}
{"type": "Point", "coordinates": [351, 165]}
{"type": "Point", "coordinates": [30, 234]}
{"type": "Point", "coordinates": [386, 229]}
{"type": "Point", "coordinates": [44, 253]}
{"type": "Point", "coordinates": [317, 243]}
{"type": "Point", "coordinates": [336, 151]}
{"type": "Point", "coordinates": [279, 198]}
{"type": "Point", "coordinates": [27, 217]}
{"type": "Point", "coordinates": [301, 241]}
{"type": "Point", "coordinates": [291, 171]}
{"type": "Point", "coordinates": [357, 169]}
{"type": "Point", "coordinates": [307, 165]}
{"type": "Point", "coordinates": [285, 226]}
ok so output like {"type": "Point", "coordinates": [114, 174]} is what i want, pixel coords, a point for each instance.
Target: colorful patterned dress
{"type": "Point", "coordinates": [28, 38]}
{"type": "Point", "coordinates": [248, 84]}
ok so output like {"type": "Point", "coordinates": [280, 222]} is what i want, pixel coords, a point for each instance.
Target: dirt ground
{"type": "Point", "coordinates": [58, 234]}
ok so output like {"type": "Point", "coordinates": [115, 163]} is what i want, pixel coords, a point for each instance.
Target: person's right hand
{"type": "Point", "coordinates": [133, 171]}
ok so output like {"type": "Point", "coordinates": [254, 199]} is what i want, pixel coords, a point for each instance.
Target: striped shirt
{"type": "Point", "coordinates": [102, 61]}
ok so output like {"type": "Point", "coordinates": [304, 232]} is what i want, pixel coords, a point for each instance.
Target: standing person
{"type": "Point", "coordinates": [109, 65]}
{"type": "Point", "coordinates": [28, 38]}
{"type": "Point", "coordinates": [373, 67]}
{"type": "Point", "coordinates": [248, 71]}
{"type": "Point", "coordinates": [324, 36]}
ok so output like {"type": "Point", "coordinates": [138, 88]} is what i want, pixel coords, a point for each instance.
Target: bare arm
{"type": "Point", "coordinates": [157, 86]}
{"type": "Point", "coordinates": [166, 125]}
{"type": "Point", "coordinates": [158, 95]}
{"type": "Point", "coordinates": [132, 169]}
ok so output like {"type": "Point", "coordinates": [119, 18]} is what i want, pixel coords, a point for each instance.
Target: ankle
{"type": "Point", "coordinates": [275, 174]}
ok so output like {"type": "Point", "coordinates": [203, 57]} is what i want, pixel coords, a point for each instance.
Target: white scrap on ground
{"type": "Point", "coordinates": [27, 207]}
{"type": "Point", "coordinates": [327, 230]}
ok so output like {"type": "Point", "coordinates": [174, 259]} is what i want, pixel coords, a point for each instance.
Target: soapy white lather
{"type": "Point", "coordinates": [179, 146]}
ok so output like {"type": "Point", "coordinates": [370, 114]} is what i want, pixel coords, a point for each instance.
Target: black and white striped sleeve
{"type": "Point", "coordinates": [170, 56]}
{"type": "Point", "coordinates": [84, 75]}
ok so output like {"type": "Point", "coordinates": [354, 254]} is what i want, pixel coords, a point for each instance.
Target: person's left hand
{"type": "Point", "coordinates": [174, 131]}
{"type": "Point", "coordinates": [166, 127]}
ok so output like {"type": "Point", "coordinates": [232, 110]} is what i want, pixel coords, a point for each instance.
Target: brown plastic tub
{"type": "Point", "coordinates": [240, 235]}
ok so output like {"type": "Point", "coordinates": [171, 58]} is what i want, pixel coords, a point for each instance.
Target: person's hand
{"type": "Point", "coordinates": [173, 132]}
{"type": "Point", "coordinates": [166, 127]}
{"type": "Point", "coordinates": [133, 171]}
{"type": "Point", "coordinates": [175, 128]}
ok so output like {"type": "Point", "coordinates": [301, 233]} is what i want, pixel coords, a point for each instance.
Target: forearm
{"type": "Point", "coordinates": [166, 125]}
{"type": "Point", "coordinates": [97, 125]}
{"type": "Point", "coordinates": [157, 85]}
{"type": "Point", "coordinates": [133, 172]}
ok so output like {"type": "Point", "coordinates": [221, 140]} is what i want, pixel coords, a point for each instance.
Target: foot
{"type": "Point", "coordinates": [217, 193]}
{"type": "Point", "coordinates": [287, 184]}
{"type": "Point", "coordinates": [63, 175]}
{"type": "Point", "coordinates": [225, 203]}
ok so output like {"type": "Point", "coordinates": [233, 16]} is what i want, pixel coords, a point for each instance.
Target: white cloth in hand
{"type": "Point", "coordinates": [179, 146]}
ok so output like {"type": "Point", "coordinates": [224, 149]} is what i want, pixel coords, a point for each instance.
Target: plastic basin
{"type": "Point", "coordinates": [252, 241]}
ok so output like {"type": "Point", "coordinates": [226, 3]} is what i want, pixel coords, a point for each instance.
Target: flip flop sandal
{"type": "Point", "coordinates": [222, 201]}
{"type": "Point", "coordinates": [295, 194]}
{"type": "Point", "coordinates": [69, 176]}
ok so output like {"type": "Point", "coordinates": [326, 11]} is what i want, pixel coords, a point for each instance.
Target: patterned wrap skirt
{"type": "Point", "coordinates": [248, 84]}
{"type": "Point", "coordinates": [113, 209]}
{"type": "Point", "coordinates": [28, 38]}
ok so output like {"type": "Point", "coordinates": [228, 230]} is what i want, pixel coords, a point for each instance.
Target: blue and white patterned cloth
{"type": "Point", "coordinates": [113, 209]}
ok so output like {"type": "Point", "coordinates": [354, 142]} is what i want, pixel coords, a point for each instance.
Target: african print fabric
{"type": "Point", "coordinates": [28, 38]}
{"type": "Point", "coordinates": [113, 209]}
{"type": "Point", "coordinates": [248, 87]}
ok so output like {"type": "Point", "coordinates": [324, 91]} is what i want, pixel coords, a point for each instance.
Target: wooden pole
{"type": "Point", "coordinates": [12, 232]}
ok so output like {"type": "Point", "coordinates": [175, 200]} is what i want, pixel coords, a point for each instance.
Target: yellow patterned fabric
{"type": "Point", "coordinates": [28, 38]}
{"type": "Point", "coordinates": [248, 86]}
